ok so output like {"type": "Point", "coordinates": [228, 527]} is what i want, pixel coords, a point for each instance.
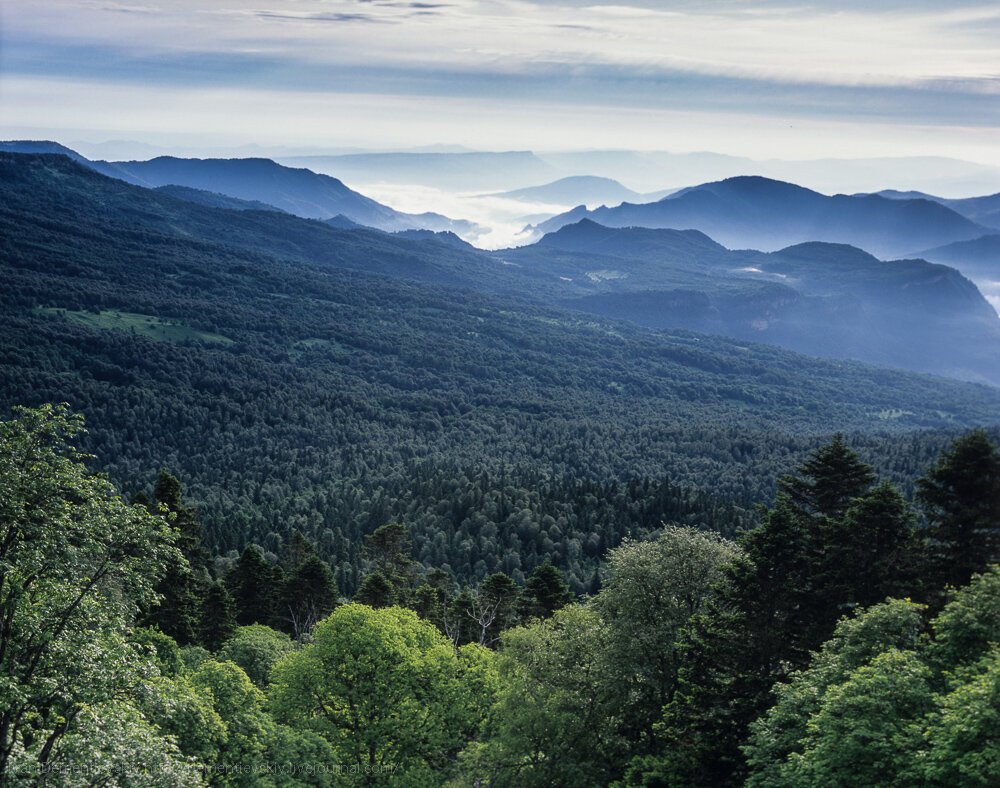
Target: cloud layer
{"type": "Point", "coordinates": [930, 69]}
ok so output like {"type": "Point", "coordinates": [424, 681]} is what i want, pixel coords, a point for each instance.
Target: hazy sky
{"type": "Point", "coordinates": [786, 79]}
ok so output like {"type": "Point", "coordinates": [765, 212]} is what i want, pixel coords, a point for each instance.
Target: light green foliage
{"type": "Point", "coordinates": [651, 590]}
{"type": "Point", "coordinates": [964, 737]}
{"type": "Point", "coordinates": [882, 705]}
{"type": "Point", "coordinates": [240, 705]}
{"type": "Point", "coordinates": [185, 712]}
{"type": "Point", "coordinates": [553, 725]}
{"type": "Point", "coordinates": [110, 745]}
{"type": "Point", "coordinates": [192, 657]}
{"type": "Point", "coordinates": [75, 565]}
{"type": "Point", "coordinates": [256, 649]}
{"type": "Point", "coordinates": [867, 730]}
{"type": "Point", "coordinates": [895, 624]}
{"type": "Point", "coordinates": [297, 759]}
{"type": "Point", "coordinates": [586, 685]}
{"type": "Point", "coordinates": [386, 689]}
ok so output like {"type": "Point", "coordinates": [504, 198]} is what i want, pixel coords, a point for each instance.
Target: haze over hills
{"type": "Point", "coordinates": [466, 171]}
{"type": "Point", "coordinates": [646, 171]}
{"type": "Point", "coordinates": [821, 299]}
{"type": "Point", "coordinates": [817, 298]}
{"type": "Point", "coordinates": [759, 213]}
{"type": "Point", "coordinates": [574, 189]}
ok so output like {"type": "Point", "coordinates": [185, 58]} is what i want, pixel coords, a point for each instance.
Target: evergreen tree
{"type": "Point", "coordinates": [167, 492]}
{"type": "Point", "coordinates": [960, 497]}
{"type": "Point", "coordinates": [375, 591]}
{"type": "Point", "coordinates": [255, 587]}
{"type": "Point", "coordinates": [829, 480]}
{"type": "Point", "coordinates": [181, 590]}
{"type": "Point", "coordinates": [544, 592]}
{"type": "Point", "coordinates": [217, 622]}
{"type": "Point", "coordinates": [309, 595]}
{"type": "Point", "coordinates": [299, 549]}
{"type": "Point", "coordinates": [388, 550]}
{"type": "Point", "coordinates": [431, 599]}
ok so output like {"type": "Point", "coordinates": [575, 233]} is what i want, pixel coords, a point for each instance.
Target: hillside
{"type": "Point", "coordinates": [289, 393]}
{"type": "Point", "coordinates": [817, 298]}
{"type": "Point", "coordinates": [261, 182]}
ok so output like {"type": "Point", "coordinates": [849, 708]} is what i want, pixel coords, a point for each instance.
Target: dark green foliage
{"type": "Point", "coordinates": [960, 497]}
{"type": "Point", "coordinates": [388, 551]}
{"type": "Point", "coordinates": [178, 612]}
{"type": "Point", "coordinates": [828, 481]}
{"type": "Point", "coordinates": [217, 621]}
{"type": "Point", "coordinates": [829, 544]}
{"type": "Point", "coordinates": [298, 549]}
{"type": "Point", "coordinates": [255, 586]}
{"type": "Point", "coordinates": [376, 591]}
{"type": "Point", "coordinates": [287, 391]}
{"type": "Point", "coordinates": [308, 596]}
{"type": "Point", "coordinates": [544, 592]}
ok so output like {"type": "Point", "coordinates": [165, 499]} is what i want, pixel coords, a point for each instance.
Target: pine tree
{"type": "Point", "coordinates": [375, 591]}
{"type": "Point", "coordinates": [255, 587]}
{"type": "Point", "coordinates": [960, 497]}
{"type": "Point", "coordinates": [544, 592]}
{"type": "Point", "coordinates": [388, 550]}
{"type": "Point", "coordinates": [182, 587]}
{"type": "Point", "coordinates": [309, 595]}
{"type": "Point", "coordinates": [216, 622]}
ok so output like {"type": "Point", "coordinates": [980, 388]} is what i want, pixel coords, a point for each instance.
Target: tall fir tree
{"type": "Point", "coordinates": [309, 595]}
{"type": "Point", "coordinates": [217, 622]}
{"type": "Point", "coordinates": [183, 586]}
{"type": "Point", "coordinates": [960, 498]}
{"type": "Point", "coordinates": [544, 592]}
{"type": "Point", "coordinates": [255, 586]}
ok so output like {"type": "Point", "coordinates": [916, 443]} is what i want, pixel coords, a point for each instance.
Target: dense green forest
{"type": "Point", "coordinates": [849, 638]}
{"type": "Point", "coordinates": [316, 511]}
{"type": "Point", "coordinates": [278, 370]}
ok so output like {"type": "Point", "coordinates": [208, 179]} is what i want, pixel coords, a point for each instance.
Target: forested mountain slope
{"type": "Point", "coordinates": [817, 298]}
{"type": "Point", "coordinates": [288, 393]}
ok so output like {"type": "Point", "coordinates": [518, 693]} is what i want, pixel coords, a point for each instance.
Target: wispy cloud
{"type": "Point", "coordinates": [918, 62]}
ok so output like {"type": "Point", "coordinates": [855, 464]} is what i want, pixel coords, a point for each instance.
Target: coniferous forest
{"type": "Point", "coordinates": [283, 504]}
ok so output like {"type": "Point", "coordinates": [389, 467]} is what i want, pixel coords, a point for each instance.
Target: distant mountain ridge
{"type": "Point", "coordinates": [984, 210]}
{"type": "Point", "coordinates": [760, 213]}
{"type": "Point", "coordinates": [297, 191]}
{"type": "Point", "coordinates": [817, 298]}
{"type": "Point", "coordinates": [262, 181]}
{"type": "Point", "coordinates": [588, 189]}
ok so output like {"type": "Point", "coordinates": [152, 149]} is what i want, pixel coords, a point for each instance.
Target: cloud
{"type": "Point", "coordinates": [918, 62]}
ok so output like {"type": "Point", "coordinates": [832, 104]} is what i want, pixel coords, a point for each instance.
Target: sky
{"type": "Point", "coordinates": [745, 77]}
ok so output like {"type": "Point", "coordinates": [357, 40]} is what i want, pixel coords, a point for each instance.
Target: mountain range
{"type": "Point", "coordinates": [759, 213]}
{"type": "Point", "coordinates": [261, 181]}
{"type": "Point", "coordinates": [816, 297]}
{"type": "Point", "coordinates": [571, 190]}
{"type": "Point", "coordinates": [819, 298]}
{"type": "Point", "coordinates": [298, 375]}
